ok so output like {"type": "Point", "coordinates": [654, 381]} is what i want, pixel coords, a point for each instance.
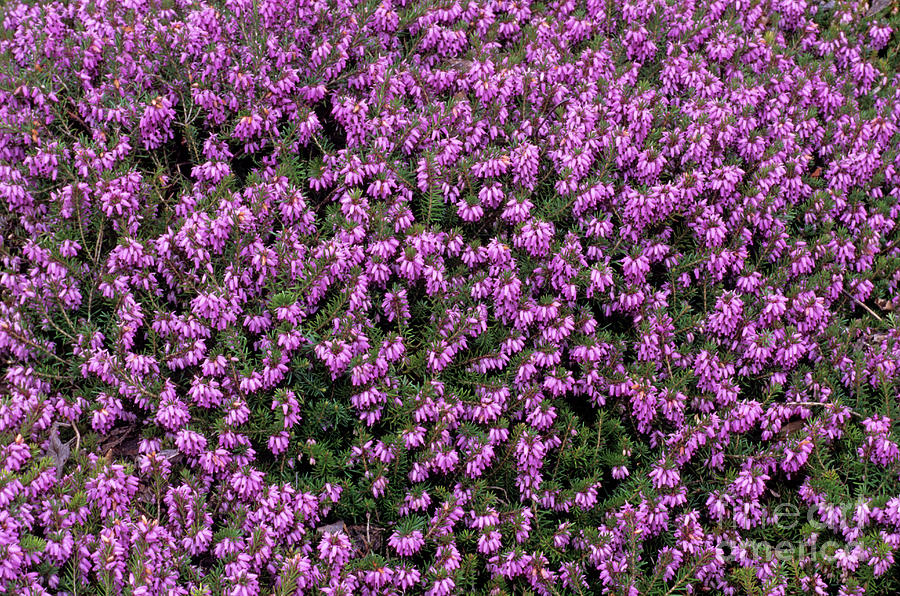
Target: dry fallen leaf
{"type": "Point", "coordinates": [58, 450]}
{"type": "Point", "coordinates": [790, 428]}
{"type": "Point", "coordinates": [885, 305]}
{"type": "Point", "coordinates": [877, 6]}
{"type": "Point", "coordinates": [332, 528]}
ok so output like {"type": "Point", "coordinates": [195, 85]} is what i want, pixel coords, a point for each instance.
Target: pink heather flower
{"type": "Point", "coordinates": [535, 237]}
{"type": "Point", "coordinates": [155, 123]}
{"type": "Point", "coordinates": [562, 536]}
{"type": "Point", "coordinates": [247, 483]}
{"type": "Point", "coordinates": [278, 443]}
{"type": "Point", "coordinates": [408, 544]}
{"type": "Point", "coordinates": [881, 563]}
{"type": "Point", "coordinates": [238, 413]}
{"type": "Point", "coordinates": [335, 549]}
{"type": "Point", "coordinates": [635, 268]}
{"type": "Point", "coordinates": [406, 577]}
{"type": "Point", "coordinates": [471, 253]}
{"type": "Point", "coordinates": [379, 486]}
{"type": "Point", "coordinates": [489, 542]}
{"type": "Point", "coordinates": [395, 305]}
{"type": "Point", "coordinates": [469, 209]}
{"type": "Point", "coordinates": [664, 475]}
{"type": "Point", "coordinates": [441, 587]}
{"type": "Point", "coordinates": [517, 210]}
{"type": "Point", "coordinates": [173, 414]}
{"type": "Point", "coordinates": [619, 472]}
{"type": "Point", "coordinates": [336, 354]}
{"type": "Point", "coordinates": [439, 356]}
{"type": "Point", "coordinates": [379, 577]}
{"type": "Point", "coordinates": [415, 502]}
{"type": "Point", "coordinates": [847, 561]}
{"type": "Point", "coordinates": [586, 499]}
{"type": "Point", "coordinates": [879, 34]}
{"type": "Point", "coordinates": [112, 490]}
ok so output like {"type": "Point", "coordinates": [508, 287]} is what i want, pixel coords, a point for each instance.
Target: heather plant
{"type": "Point", "coordinates": [356, 297]}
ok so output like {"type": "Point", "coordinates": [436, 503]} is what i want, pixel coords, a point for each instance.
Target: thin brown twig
{"type": "Point", "coordinates": [77, 436]}
{"type": "Point", "coordinates": [856, 300]}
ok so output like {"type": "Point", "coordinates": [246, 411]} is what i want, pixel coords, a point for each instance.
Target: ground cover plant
{"type": "Point", "coordinates": [501, 297]}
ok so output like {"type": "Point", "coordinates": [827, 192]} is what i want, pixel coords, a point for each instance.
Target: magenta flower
{"type": "Point", "coordinates": [407, 544]}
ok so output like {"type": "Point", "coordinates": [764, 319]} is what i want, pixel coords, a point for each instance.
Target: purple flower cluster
{"type": "Point", "coordinates": [348, 297]}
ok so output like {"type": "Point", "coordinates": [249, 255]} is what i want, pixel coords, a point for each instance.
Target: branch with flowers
{"type": "Point", "coordinates": [381, 297]}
